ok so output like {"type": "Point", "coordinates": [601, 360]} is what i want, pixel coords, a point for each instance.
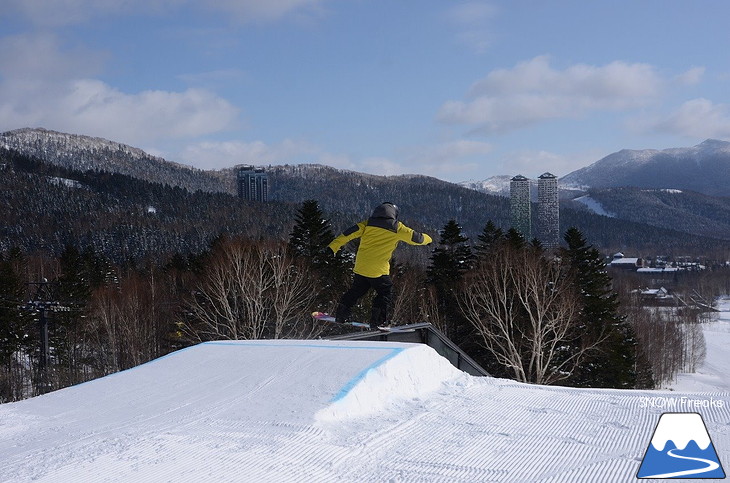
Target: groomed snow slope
{"type": "Point", "coordinates": [319, 411]}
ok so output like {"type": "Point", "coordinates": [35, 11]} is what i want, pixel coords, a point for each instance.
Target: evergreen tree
{"type": "Point", "coordinates": [451, 258]}
{"type": "Point", "coordinates": [450, 261]}
{"type": "Point", "coordinates": [17, 331]}
{"type": "Point", "coordinates": [490, 236]}
{"type": "Point", "coordinates": [612, 363]}
{"type": "Point", "coordinates": [308, 241]}
{"type": "Point", "coordinates": [515, 239]}
{"type": "Point", "coordinates": [311, 234]}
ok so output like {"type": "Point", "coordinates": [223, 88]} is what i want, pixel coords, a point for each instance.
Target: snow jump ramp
{"type": "Point", "coordinates": [180, 409]}
{"type": "Point", "coordinates": [328, 411]}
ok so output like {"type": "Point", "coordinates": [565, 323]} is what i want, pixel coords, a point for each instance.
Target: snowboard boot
{"type": "Point", "coordinates": [342, 314]}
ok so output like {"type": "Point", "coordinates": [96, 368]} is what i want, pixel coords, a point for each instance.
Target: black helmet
{"type": "Point", "coordinates": [395, 207]}
{"type": "Point", "coordinates": [385, 216]}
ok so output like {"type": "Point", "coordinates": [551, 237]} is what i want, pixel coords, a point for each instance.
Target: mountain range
{"type": "Point", "coordinates": [643, 219]}
{"type": "Point", "coordinates": [704, 168]}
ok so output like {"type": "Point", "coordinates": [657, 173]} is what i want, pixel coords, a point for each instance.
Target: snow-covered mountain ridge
{"type": "Point", "coordinates": [86, 153]}
{"type": "Point", "coordinates": [429, 200]}
{"type": "Point", "coordinates": [703, 168]}
{"type": "Point", "coordinates": [67, 144]}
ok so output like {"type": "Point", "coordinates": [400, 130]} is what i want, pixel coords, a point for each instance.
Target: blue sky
{"type": "Point", "coordinates": [451, 89]}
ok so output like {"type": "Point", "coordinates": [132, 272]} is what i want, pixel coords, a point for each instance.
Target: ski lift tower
{"type": "Point", "coordinates": [40, 305]}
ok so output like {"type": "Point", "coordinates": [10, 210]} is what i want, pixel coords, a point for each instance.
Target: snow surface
{"type": "Point", "coordinates": [714, 373]}
{"type": "Point", "coordinates": [331, 411]}
{"type": "Point", "coordinates": [594, 205]}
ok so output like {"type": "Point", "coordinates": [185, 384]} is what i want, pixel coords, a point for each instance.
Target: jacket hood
{"type": "Point", "coordinates": [385, 210]}
{"type": "Point", "coordinates": [385, 216]}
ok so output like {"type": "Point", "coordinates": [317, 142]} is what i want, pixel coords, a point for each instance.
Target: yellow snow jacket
{"type": "Point", "coordinates": [379, 236]}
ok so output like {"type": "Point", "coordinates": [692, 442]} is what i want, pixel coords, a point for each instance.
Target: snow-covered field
{"type": "Point", "coordinates": [320, 411]}
{"type": "Point", "coordinates": [714, 375]}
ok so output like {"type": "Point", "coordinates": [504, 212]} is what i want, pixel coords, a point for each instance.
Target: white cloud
{"type": "Point", "coordinates": [469, 13]}
{"type": "Point", "coordinates": [33, 57]}
{"type": "Point", "coordinates": [215, 78]}
{"type": "Point", "coordinates": [217, 155]}
{"type": "Point", "coordinates": [533, 163]}
{"type": "Point", "coordinates": [46, 87]}
{"type": "Point", "coordinates": [697, 118]}
{"type": "Point", "coordinates": [447, 160]}
{"type": "Point", "coordinates": [692, 76]}
{"type": "Point", "coordinates": [91, 105]}
{"type": "Point", "coordinates": [448, 152]}
{"type": "Point", "coordinates": [533, 91]}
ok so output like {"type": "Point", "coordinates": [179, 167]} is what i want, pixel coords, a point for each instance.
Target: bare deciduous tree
{"type": "Point", "coordinates": [249, 288]}
{"type": "Point", "coordinates": [125, 323]}
{"type": "Point", "coordinates": [525, 311]}
{"type": "Point", "coordinates": [292, 296]}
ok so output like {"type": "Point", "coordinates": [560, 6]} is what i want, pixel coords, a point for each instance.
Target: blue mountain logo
{"type": "Point", "coordinates": [681, 447]}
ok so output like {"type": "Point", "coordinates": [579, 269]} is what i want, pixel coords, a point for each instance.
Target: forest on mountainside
{"type": "Point", "coordinates": [428, 203]}
{"type": "Point", "coordinates": [685, 211]}
{"type": "Point", "coordinates": [121, 217]}
{"type": "Point", "coordinates": [187, 218]}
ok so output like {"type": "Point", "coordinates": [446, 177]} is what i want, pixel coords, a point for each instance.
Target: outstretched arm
{"type": "Point", "coordinates": [355, 231]}
{"type": "Point", "coordinates": [412, 237]}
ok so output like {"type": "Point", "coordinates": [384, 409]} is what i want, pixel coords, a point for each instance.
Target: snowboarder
{"type": "Point", "coordinates": [379, 235]}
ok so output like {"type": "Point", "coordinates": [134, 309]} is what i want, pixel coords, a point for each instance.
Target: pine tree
{"type": "Point", "coordinates": [450, 261]}
{"type": "Point", "coordinates": [451, 258]}
{"type": "Point", "coordinates": [515, 239]}
{"type": "Point", "coordinates": [308, 241]}
{"type": "Point", "coordinates": [311, 234]}
{"type": "Point", "coordinates": [488, 238]}
{"type": "Point", "coordinates": [612, 363]}
{"type": "Point", "coordinates": [18, 333]}
{"type": "Point", "coordinates": [75, 285]}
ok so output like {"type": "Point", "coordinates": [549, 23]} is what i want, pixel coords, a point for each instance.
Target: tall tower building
{"type": "Point", "coordinates": [519, 197]}
{"type": "Point", "coordinates": [548, 210]}
{"type": "Point", "coordinates": [253, 184]}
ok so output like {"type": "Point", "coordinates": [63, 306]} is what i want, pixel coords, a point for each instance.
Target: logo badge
{"type": "Point", "coordinates": [681, 448]}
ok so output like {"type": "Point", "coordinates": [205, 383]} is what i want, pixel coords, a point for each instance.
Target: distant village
{"type": "Point", "coordinates": [658, 275]}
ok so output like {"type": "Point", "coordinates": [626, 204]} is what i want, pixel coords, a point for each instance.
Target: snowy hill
{"type": "Point", "coordinates": [496, 185]}
{"type": "Point", "coordinates": [83, 161]}
{"type": "Point", "coordinates": [274, 411]}
{"type": "Point", "coordinates": [86, 153]}
{"type": "Point", "coordinates": [704, 168]}
{"type": "Point", "coordinates": [686, 211]}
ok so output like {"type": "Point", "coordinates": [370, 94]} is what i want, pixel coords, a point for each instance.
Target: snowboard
{"type": "Point", "coordinates": [328, 318]}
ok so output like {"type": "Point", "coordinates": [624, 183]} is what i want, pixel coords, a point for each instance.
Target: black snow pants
{"type": "Point", "coordinates": [383, 287]}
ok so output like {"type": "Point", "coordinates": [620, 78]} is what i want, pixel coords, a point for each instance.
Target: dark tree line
{"type": "Point", "coordinates": [519, 310]}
